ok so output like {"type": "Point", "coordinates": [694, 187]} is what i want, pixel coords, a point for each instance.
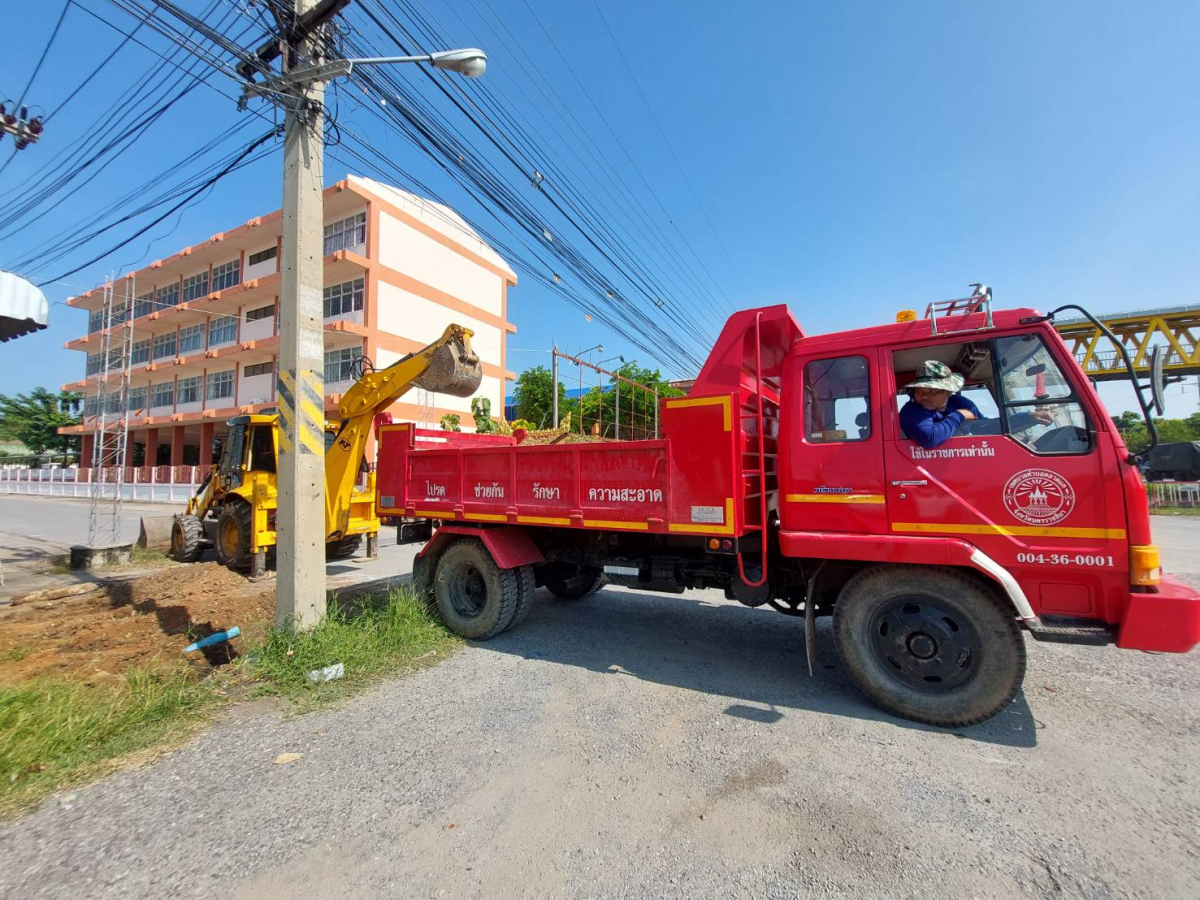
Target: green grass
{"type": "Point", "coordinates": [16, 654]}
{"type": "Point", "coordinates": [55, 732]}
{"type": "Point", "coordinates": [1176, 511]}
{"type": "Point", "coordinates": [144, 556]}
{"type": "Point", "coordinates": [371, 637]}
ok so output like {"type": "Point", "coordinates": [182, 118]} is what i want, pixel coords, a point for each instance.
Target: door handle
{"type": "Point", "coordinates": [909, 483]}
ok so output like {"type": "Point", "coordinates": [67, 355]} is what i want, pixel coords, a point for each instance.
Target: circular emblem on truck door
{"type": "Point", "coordinates": [1039, 496]}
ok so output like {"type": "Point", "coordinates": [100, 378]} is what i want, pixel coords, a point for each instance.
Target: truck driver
{"type": "Point", "coordinates": [936, 411]}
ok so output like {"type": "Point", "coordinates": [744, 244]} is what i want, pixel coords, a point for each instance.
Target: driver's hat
{"type": "Point", "coordinates": [937, 377]}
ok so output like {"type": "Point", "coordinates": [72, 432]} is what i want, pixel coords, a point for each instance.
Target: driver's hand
{"type": "Point", "coordinates": [1043, 416]}
{"type": "Point", "coordinates": [966, 414]}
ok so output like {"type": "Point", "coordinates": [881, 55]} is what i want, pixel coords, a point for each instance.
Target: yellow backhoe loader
{"type": "Point", "coordinates": [234, 509]}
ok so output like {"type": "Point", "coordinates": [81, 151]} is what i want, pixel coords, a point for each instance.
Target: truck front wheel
{"type": "Point", "coordinates": [474, 596]}
{"type": "Point", "coordinates": [928, 644]}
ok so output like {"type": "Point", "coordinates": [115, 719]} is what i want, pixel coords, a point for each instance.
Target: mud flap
{"type": "Point", "coordinates": [810, 619]}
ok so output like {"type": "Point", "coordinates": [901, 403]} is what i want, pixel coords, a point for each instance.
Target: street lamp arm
{"type": "Point", "coordinates": [471, 62]}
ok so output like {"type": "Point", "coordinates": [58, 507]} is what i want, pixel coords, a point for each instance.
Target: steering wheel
{"type": "Point", "coordinates": [1063, 439]}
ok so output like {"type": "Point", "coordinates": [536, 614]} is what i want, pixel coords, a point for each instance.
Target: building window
{"type": "Point", "coordinates": [257, 369]}
{"type": "Point", "coordinates": [143, 306]}
{"type": "Point", "coordinates": [189, 390]}
{"type": "Point", "coordinates": [137, 399]}
{"type": "Point", "coordinates": [167, 296]}
{"type": "Point", "coordinates": [112, 402]}
{"type": "Point", "coordinates": [350, 232]}
{"type": "Point", "coordinates": [95, 321]}
{"type": "Point", "coordinates": [191, 339]}
{"type": "Point", "coordinates": [195, 287]}
{"type": "Point", "coordinates": [343, 298]}
{"type": "Point", "coordinates": [94, 364]}
{"type": "Point", "coordinates": [263, 312]}
{"type": "Point", "coordinates": [89, 406]}
{"type": "Point", "coordinates": [262, 256]}
{"type": "Point", "coordinates": [227, 276]}
{"type": "Point", "coordinates": [221, 330]}
{"type": "Point", "coordinates": [220, 385]}
{"type": "Point", "coordinates": [141, 352]}
{"type": "Point", "coordinates": [164, 345]}
{"type": "Point", "coordinates": [162, 395]}
{"type": "Point", "coordinates": [338, 364]}
{"type": "Point", "coordinates": [837, 397]}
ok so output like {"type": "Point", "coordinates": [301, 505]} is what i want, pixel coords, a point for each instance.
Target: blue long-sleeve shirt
{"type": "Point", "coordinates": [932, 429]}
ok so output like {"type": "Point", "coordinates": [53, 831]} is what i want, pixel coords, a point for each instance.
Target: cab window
{"type": "Point", "coordinates": [837, 400]}
{"type": "Point", "coordinates": [1015, 384]}
{"type": "Point", "coordinates": [1040, 407]}
{"type": "Point", "coordinates": [262, 449]}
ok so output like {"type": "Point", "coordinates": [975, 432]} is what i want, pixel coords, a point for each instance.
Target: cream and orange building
{"type": "Point", "coordinates": [398, 269]}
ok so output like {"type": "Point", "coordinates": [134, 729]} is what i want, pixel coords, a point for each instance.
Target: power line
{"type": "Point", "coordinates": [45, 51]}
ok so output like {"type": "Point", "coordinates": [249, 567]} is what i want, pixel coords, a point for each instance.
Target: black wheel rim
{"type": "Point", "coordinates": [468, 592]}
{"type": "Point", "coordinates": [925, 644]}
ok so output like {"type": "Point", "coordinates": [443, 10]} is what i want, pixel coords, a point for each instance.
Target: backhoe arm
{"type": "Point", "coordinates": [447, 366]}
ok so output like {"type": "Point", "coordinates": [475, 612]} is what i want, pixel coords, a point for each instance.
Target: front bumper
{"type": "Point", "coordinates": [1167, 620]}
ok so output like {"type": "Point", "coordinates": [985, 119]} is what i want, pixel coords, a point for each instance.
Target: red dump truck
{"type": "Point", "coordinates": [785, 479]}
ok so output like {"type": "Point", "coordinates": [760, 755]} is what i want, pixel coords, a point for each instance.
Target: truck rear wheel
{"type": "Point", "coordinates": [589, 580]}
{"type": "Point", "coordinates": [187, 539]}
{"type": "Point", "coordinates": [929, 644]}
{"type": "Point", "coordinates": [474, 596]}
{"type": "Point", "coordinates": [233, 536]}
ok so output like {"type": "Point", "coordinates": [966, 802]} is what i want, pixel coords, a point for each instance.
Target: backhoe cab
{"type": "Point", "coordinates": [234, 508]}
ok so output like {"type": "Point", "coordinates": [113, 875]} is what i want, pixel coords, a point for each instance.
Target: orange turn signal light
{"type": "Point", "coordinates": [906, 315]}
{"type": "Point", "coordinates": [1145, 565]}
{"type": "Point", "coordinates": [714, 544]}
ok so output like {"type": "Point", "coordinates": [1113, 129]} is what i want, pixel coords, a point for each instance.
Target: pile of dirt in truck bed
{"type": "Point", "coordinates": [137, 623]}
{"type": "Point", "coordinates": [571, 437]}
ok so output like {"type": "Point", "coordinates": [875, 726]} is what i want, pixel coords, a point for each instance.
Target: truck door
{"type": "Point", "coordinates": [1025, 484]}
{"type": "Point", "coordinates": [831, 451]}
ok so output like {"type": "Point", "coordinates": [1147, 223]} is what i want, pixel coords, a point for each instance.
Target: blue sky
{"type": "Point", "coordinates": [850, 159]}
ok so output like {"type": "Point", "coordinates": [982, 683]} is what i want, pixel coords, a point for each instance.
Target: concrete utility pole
{"type": "Point", "coordinates": [300, 518]}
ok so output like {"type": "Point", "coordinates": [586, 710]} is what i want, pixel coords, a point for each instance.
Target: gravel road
{"type": "Point", "coordinates": [640, 745]}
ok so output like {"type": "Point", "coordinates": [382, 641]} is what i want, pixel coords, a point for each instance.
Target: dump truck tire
{"type": "Point", "coordinates": [586, 583]}
{"type": "Point", "coordinates": [187, 539]}
{"type": "Point", "coordinates": [526, 585]}
{"type": "Point", "coordinates": [929, 644]}
{"type": "Point", "coordinates": [474, 596]}
{"type": "Point", "coordinates": [343, 549]}
{"type": "Point", "coordinates": [233, 536]}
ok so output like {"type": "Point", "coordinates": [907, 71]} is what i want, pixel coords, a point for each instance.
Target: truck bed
{"type": "Point", "coordinates": [689, 481]}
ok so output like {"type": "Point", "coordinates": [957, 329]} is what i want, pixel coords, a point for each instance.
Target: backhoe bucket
{"type": "Point", "coordinates": [454, 369]}
{"type": "Point", "coordinates": [156, 532]}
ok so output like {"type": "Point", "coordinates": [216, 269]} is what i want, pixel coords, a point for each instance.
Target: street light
{"type": "Point", "coordinates": [599, 347]}
{"type": "Point", "coordinates": [470, 62]}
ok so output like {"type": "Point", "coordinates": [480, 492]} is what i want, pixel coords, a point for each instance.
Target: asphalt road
{"type": "Point", "coordinates": [33, 528]}
{"type": "Point", "coordinates": [641, 745]}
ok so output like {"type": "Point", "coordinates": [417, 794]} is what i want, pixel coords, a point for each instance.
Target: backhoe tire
{"type": "Point", "coordinates": [589, 580]}
{"type": "Point", "coordinates": [233, 536]}
{"type": "Point", "coordinates": [929, 644]}
{"type": "Point", "coordinates": [343, 549]}
{"type": "Point", "coordinates": [187, 539]}
{"type": "Point", "coordinates": [474, 596]}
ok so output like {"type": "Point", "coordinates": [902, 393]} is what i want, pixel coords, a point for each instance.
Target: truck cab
{"type": "Point", "coordinates": [1049, 507]}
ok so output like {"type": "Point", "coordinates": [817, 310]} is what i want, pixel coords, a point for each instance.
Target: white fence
{"type": "Point", "coordinates": [147, 484]}
{"type": "Point", "coordinates": [1184, 494]}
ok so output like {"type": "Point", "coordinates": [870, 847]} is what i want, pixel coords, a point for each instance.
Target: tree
{"type": "Point", "coordinates": [637, 403]}
{"type": "Point", "coordinates": [34, 419]}
{"type": "Point", "coordinates": [535, 399]}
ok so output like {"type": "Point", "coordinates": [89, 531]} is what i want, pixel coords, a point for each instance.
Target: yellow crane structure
{"type": "Point", "coordinates": [234, 509]}
{"type": "Point", "coordinates": [1175, 328]}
